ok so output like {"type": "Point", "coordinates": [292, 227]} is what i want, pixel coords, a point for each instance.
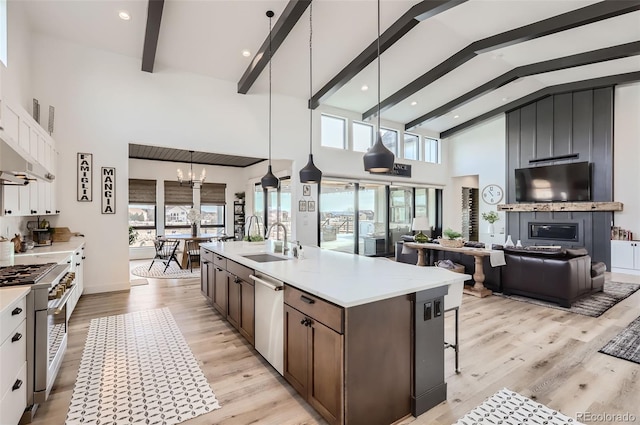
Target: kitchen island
{"type": "Point", "coordinates": [363, 337]}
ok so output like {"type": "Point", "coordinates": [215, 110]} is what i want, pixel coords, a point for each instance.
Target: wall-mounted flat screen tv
{"type": "Point", "coordinates": [554, 183]}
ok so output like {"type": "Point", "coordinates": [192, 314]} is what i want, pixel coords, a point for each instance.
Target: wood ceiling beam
{"type": "Point", "coordinates": [611, 80]}
{"type": "Point", "coordinates": [580, 59]}
{"type": "Point", "coordinates": [288, 19]}
{"type": "Point", "coordinates": [596, 12]}
{"type": "Point", "coordinates": [151, 34]}
{"type": "Point", "coordinates": [395, 32]}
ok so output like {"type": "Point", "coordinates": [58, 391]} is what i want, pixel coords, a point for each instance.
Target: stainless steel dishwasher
{"type": "Point", "coordinates": [269, 319]}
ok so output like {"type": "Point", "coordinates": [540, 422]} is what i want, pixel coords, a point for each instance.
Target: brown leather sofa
{"type": "Point", "coordinates": [560, 276]}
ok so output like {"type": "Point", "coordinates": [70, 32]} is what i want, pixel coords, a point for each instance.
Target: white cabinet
{"type": "Point", "coordinates": [625, 257]}
{"type": "Point", "coordinates": [11, 200]}
{"type": "Point", "coordinates": [77, 266]}
{"type": "Point", "coordinates": [13, 356]}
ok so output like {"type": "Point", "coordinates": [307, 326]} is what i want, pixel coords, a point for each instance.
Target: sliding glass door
{"type": "Point", "coordinates": [372, 217]}
{"type": "Point", "coordinates": [400, 213]}
{"type": "Point", "coordinates": [337, 215]}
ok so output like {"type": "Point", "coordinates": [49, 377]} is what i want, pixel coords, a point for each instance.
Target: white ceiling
{"type": "Point", "coordinates": [208, 36]}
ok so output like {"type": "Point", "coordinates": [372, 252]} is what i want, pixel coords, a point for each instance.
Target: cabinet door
{"type": "Point", "coordinates": [247, 313]}
{"type": "Point", "coordinates": [636, 255]}
{"type": "Point", "coordinates": [325, 371]}
{"type": "Point", "coordinates": [211, 281]}
{"type": "Point", "coordinates": [622, 254]}
{"type": "Point", "coordinates": [204, 278]}
{"type": "Point", "coordinates": [295, 349]}
{"type": "Point", "coordinates": [233, 297]}
{"type": "Point", "coordinates": [33, 198]}
{"type": "Point", "coordinates": [219, 295]}
{"type": "Point", "coordinates": [11, 200]}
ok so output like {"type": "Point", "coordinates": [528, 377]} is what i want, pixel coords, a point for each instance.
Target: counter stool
{"type": "Point", "coordinates": [452, 301]}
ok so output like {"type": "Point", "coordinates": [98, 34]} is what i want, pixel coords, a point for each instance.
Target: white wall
{"type": "Point", "coordinates": [17, 76]}
{"type": "Point", "coordinates": [477, 158]}
{"type": "Point", "coordinates": [626, 157]}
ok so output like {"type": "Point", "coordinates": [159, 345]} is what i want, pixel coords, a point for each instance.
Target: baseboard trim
{"type": "Point", "coordinates": [625, 271]}
{"type": "Point", "coordinates": [111, 287]}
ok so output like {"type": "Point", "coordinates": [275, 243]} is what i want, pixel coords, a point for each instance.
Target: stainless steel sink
{"type": "Point", "coordinates": [264, 258]}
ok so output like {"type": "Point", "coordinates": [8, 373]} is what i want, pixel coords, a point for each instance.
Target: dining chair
{"type": "Point", "coordinates": [193, 252]}
{"type": "Point", "coordinates": [165, 252]}
{"type": "Point", "coordinates": [452, 301]}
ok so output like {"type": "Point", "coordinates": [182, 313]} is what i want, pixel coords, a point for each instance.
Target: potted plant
{"type": "Point", "coordinates": [240, 196]}
{"type": "Point", "coordinates": [451, 239]}
{"type": "Point", "coordinates": [491, 217]}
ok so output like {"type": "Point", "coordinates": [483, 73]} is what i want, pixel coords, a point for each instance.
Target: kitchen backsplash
{"type": "Point", "coordinates": [9, 226]}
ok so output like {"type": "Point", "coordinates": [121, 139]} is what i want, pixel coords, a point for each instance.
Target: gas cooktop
{"type": "Point", "coordinates": [24, 274]}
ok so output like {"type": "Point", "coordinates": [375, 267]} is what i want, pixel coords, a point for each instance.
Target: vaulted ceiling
{"type": "Point", "coordinates": [445, 63]}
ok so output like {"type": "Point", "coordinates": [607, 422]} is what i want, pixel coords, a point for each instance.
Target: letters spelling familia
{"type": "Point", "coordinates": [84, 184]}
{"type": "Point", "coordinates": [108, 175]}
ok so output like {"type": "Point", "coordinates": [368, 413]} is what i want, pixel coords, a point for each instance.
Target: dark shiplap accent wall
{"type": "Point", "coordinates": [569, 123]}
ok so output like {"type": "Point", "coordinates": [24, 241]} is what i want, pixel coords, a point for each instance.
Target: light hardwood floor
{"type": "Point", "coordinates": [542, 353]}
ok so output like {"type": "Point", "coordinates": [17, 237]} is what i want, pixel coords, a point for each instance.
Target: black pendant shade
{"type": "Point", "coordinates": [310, 173]}
{"type": "Point", "coordinates": [378, 158]}
{"type": "Point", "coordinates": [270, 181]}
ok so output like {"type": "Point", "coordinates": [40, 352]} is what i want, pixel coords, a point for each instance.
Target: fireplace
{"type": "Point", "coordinates": [554, 231]}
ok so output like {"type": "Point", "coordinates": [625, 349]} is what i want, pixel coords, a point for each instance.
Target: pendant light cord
{"type": "Point", "coordinates": [310, 77]}
{"type": "Point", "coordinates": [270, 90]}
{"type": "Point", "coordinates": [379, 130]}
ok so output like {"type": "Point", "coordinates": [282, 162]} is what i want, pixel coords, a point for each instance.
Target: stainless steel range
{"type": "Point", "coordinates": [51, 286]}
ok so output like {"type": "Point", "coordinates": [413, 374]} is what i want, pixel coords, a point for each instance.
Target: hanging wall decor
{"type": "Point", "coordinates": [85, 181]}
{"type": "Point", "coordinates": [52, 112]}
{"type": "Point", "coordinates": [36, 110]}
{"type": "Point", "coordinates": [108, 189]}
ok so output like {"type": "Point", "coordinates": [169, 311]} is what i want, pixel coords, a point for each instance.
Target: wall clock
{"type": "Point", "coordinates": [492, 194]}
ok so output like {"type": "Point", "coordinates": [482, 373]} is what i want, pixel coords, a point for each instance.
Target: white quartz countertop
{"type": "Point", "coordinates": [10, 295]}
{"type": "Point", "coordinates": [74, 244]}
{"type": "Point", "coordinates": [345, 279]}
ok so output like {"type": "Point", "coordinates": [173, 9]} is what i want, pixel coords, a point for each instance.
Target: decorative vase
{"type": "Point", "coordinates": [519, 244]}
{"type": "Point", "coordinates": [194, 229]}
{"type": "Point", "coordinates": [508, 242]}
{"type": "Point", "coordinates": [421, 238]}
{"type": "Point", "coordinates": [491, 229]}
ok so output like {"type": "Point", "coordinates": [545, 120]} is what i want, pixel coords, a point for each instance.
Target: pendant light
{"type": "Point", "coordinates": [270, 181]}
{"type": "Point", "coordinates": [192, 176]}
{"type": "Point", "coordinates": [310, 173]}
{"type": "Point", "coordinates": [378, 158]}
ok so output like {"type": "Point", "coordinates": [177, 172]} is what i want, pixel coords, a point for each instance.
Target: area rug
{"type": "Point", "coordinates": [510, 408]}
{"type": "Point", "coordinates": [138, 368]}
{"type": "Point", "coordinates": [625, 345]}
{"type": "Point", "coordinates": [593, 305]}
{"type": "Point", "coordinates": [157, 271]}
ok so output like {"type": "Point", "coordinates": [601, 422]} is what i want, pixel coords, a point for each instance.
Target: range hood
{"type": "Point", "coordinates": [17, 167]}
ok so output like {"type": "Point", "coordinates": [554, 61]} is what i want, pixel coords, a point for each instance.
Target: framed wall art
{"type": "Point", "coordinates": [85, 181]}
{"type": "Point", "coordinates": [306, 190]}
{"type": "Point", "coordinates": [302, 206]}
{"type": "Point", "coordinates": [311, 206]}
{"type": "Point", "coordinates": [108, 190]}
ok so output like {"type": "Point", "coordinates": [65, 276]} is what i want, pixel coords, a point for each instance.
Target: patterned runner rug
{"type": "Point", "coordinates": [625, 345]}
{"type": "Point", "coordinates": [510, 408]}
{"type": "Point", "coordinates": [593, 305]}
{"type": "Point", "coordinates": [137, 368]}
{"type": "Point", "coordinates": [157, 271]}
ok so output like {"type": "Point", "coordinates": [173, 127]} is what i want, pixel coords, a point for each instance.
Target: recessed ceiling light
{"type": "Point", "coordinates": [246, 53]}
{"type": "Point", "coordinates": [124, 15]}
{"type": "Point", "coordinates": [504, 99]}
{"type": "Point", "coordinates": [414, 103]}
{"type": "Point", "coordinates": [455, 117]}
{"type": "Point", "coordinates": [364, 87]}
{"type": "Point", "coordinates": [497, 56]}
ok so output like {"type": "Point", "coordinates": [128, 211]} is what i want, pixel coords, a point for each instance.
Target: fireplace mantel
{"type": "Point", "coordinates": [561, 206]}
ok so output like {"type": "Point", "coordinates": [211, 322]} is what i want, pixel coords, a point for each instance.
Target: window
{"type": "Point", "coordinates": [390, 139]}
{"type": "Point", "coordinates": [411, 146]}
{"type": "Point", "coordinates": [178, 200]}
{"type": "Point", "coordinates": [332, 131]}
{"type": "Point", "coordinates": [432, 150]}
{"type": "Point", "coordinates": [212, 208]}
{"type": "Point", "coordinates": [279, 208]}
{"type": "Point", "coordinates": [142, 211]}
{"type": "Point", "coordinates": [362, 136]}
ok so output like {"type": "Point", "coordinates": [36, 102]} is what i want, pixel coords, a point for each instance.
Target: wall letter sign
{"type": "Point", "coordinates": [108, 190]}
{"type": "Point", "coordinates": [85, 181]}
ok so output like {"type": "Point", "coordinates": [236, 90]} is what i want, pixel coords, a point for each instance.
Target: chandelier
{"type": "Point", "coordinates": [191, 175]}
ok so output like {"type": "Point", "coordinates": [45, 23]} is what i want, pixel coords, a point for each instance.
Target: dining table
{"type": "Point", "coordinates": [184, 261]}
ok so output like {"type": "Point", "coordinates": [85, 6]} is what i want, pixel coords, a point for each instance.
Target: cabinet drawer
{"type": "Point", "coordinates": [239, 270]}
{"type": "Point", "coordinates": [206, 255]}
{"type": "Point", "coordinates": [220, 261]}
{"type": "Point", "coordinates": [14, 401]}
{"type": "Point", "coordinates": [314, 307]}
{"type": "Point", "coordinates": [12, 317]}
{"type": "Point", "coordinates": [12, 355]}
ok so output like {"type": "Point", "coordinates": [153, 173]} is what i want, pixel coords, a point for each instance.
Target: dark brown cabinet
{"type": "Point", "coordinates": [219, 295]}
{"type": "Point", "coordinates": [241, 306]}
{"type": "Point", "coordinates": [313, 355]}
{"type": "Point", "coordinates": [207, 275]}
